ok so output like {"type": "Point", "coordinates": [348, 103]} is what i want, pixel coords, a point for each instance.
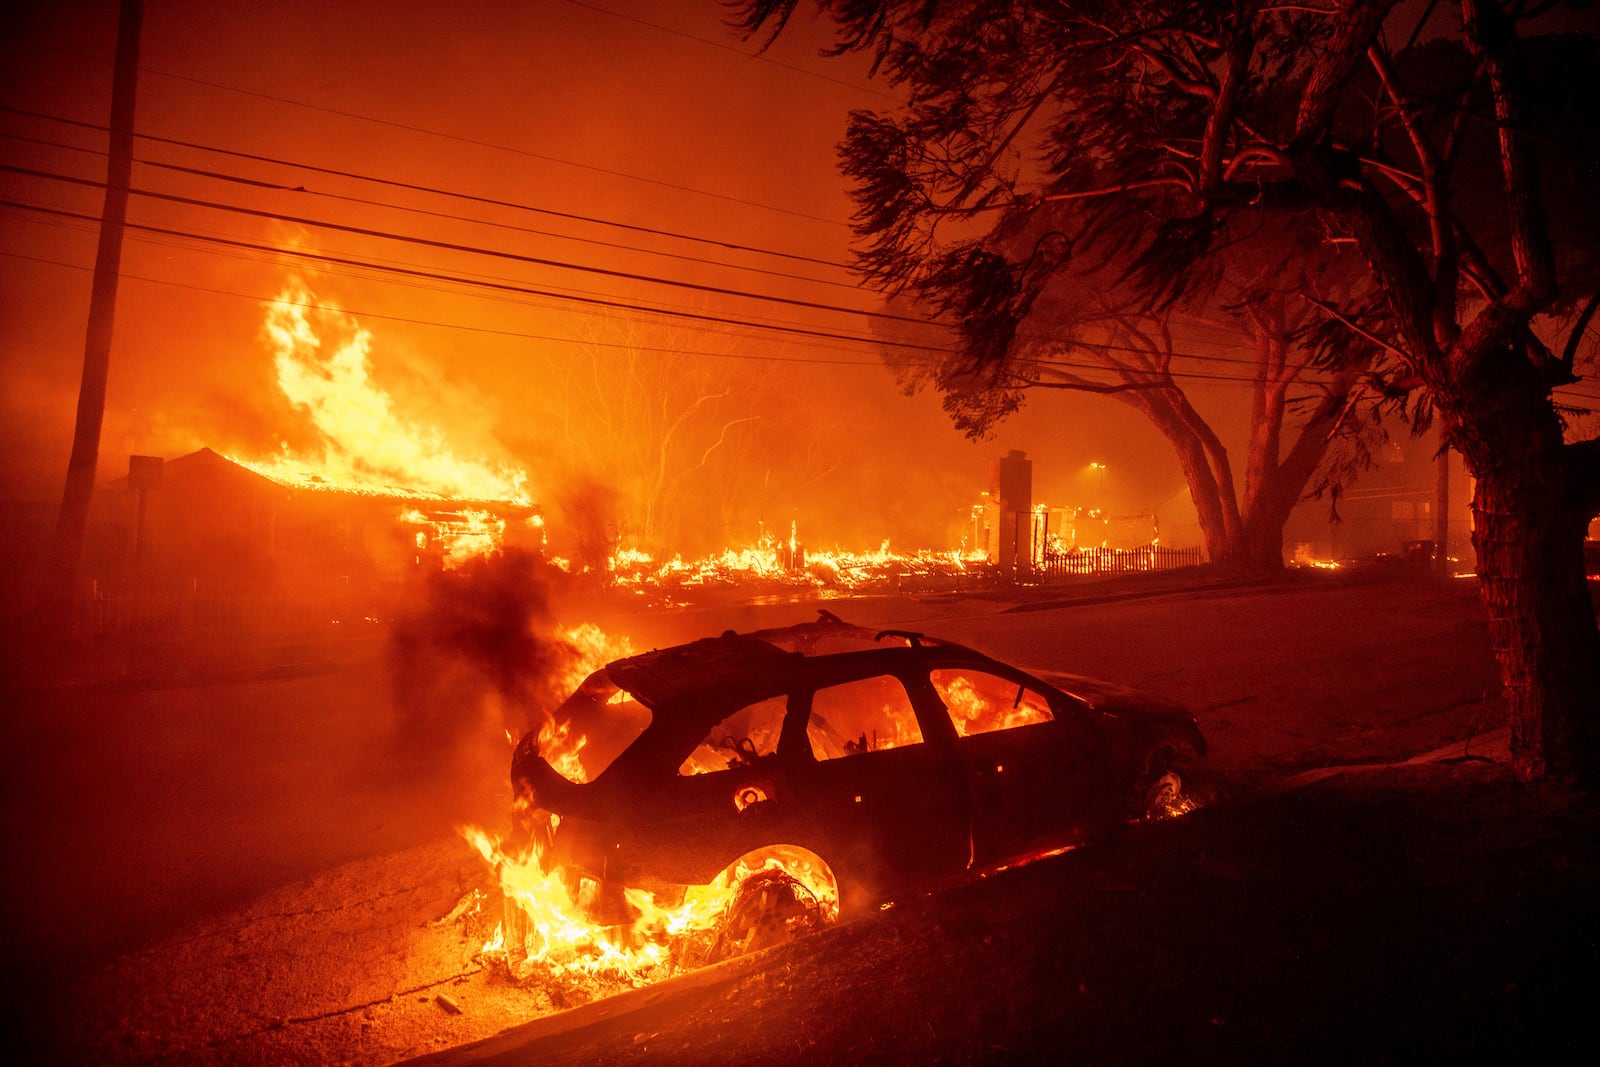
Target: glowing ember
{"type": "Point", "coordinates": [1167, 799]}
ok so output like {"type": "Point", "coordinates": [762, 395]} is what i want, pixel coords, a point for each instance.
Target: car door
{"type": "Point", "coordinates": [730, 795]}
{"type": "Point", "coordinates": [1029, 765]}
{"type": "Point", "coordinates": [892, 801]}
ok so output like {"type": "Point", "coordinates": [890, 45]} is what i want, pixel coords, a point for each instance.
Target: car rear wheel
{"type": "Point", "coordinates": [769, 907]}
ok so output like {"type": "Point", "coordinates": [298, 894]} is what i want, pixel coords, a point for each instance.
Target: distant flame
{"type": "Point", "coordinates": [788, 562]}
{"type": "Point", "coordinates": [321, 356]}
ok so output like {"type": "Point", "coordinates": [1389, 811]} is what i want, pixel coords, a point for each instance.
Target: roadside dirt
{"type": "Point", "coordinates": [1417, 914]}
{"type": "Point", "coordinates": [1301, 920]}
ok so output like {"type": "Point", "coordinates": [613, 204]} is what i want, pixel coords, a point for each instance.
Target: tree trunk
{"type": "Point", "coordinates": [1528, 533]}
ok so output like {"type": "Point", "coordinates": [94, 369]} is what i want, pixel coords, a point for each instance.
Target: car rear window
{"type": "Point", "coordinates": [980, 702]}
{"type": "Point", "coordinates": [867, 715]}
{"type": "Point", "coordinates": [592, 728]}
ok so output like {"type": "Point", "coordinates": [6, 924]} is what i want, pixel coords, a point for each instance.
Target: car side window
{"type": "Point", "coordinates": [740, 739]}
{"type": "Point", "coordinates": [980, 702]}
{"type": "Point", "coordinates": [867, 715]}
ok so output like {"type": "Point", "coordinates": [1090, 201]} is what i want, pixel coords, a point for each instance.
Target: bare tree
{"type": "Point", "coordinates": [634, 409]}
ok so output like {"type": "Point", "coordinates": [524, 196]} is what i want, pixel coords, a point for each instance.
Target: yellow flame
{"type": "Point", "coordinates": [545, 929]}
{"type": "Point", "coordinates": [367, 446]}
{"type": "Point", "coordinates": [785, 562]}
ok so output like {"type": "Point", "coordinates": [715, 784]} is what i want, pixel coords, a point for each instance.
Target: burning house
{"type": "Point", "coordinates": [204, 542]}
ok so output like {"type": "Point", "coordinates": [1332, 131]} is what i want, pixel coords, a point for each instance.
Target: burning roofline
{"type": "Point", "coordinates": [386, 493]}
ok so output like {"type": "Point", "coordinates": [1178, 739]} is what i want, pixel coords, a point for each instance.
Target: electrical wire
{"type": "Point", "coordinates": [419, 188]}
{"type": "Point", "coordinates": [892, 363]}
{"type": "Point", "coordinates": [238, 179]}
{"type": "Point", "coordinates": [454, 246]}
{"type": "Point", "coordinates": [489, 330]}
{"type": "Point", "coordinates": [1098, 346]}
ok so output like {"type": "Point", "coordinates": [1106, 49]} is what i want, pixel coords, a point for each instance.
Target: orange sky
{"type": "Point", "coordinates": [558, 106]}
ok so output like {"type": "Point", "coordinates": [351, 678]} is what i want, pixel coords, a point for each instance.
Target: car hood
{"type": "Point", "coordinates": [1135, 708]}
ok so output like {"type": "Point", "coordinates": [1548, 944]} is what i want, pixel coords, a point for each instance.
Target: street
{"type": "Point", "coordinates": [144, 811]}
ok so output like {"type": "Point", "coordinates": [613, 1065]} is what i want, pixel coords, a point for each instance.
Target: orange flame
{"type": "Point", "coordinates": [547, 927]}
{"type": "Point", "coordinates": [545, 930]}
{"type": "Point", "coordinates": [367, 446]}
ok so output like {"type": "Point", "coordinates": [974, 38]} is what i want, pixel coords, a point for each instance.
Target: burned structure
{"type": "Point", "coordinates": [202, 543]}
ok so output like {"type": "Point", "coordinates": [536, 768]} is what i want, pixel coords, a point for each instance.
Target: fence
{"type": "Point", "coordinates": [189, 615]}
{"type": "Point", "coordinates": [1116, 560]}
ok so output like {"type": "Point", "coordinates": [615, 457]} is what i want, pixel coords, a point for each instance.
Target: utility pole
{"type": "Point", "coordinates": [72, 522]}
{"type": "Point", "coordinates": [1441, 509]}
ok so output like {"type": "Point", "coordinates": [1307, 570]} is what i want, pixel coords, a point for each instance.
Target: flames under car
{"type": "Point", "coordinates": [819, 769]}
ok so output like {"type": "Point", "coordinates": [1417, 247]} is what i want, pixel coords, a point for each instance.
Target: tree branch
{"type": "Point", "coordinates": [1569, 352]}
{"type": "Point", "coordinates": [1357, 329]}
{"type": "Point", "coordinates": [1492, 37]}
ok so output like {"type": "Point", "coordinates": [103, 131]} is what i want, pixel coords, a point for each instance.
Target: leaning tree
{"type": "Point", "coordinates": [1434, 144]}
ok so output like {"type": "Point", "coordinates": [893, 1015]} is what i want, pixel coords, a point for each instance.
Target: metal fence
{"type": "Point", "coordinates": [1117, 560]}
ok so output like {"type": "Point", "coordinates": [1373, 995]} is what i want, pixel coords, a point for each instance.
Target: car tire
{"type": "Point", "coordinates": [769, 907]}
{"type": "Point", "coordinates": [1160, 791]}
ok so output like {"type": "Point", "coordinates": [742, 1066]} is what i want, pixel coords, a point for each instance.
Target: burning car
{"type": "Point", "coordinates": [771, 782]}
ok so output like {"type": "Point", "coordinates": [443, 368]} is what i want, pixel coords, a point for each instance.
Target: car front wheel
{"type": "Point", "coordinates": [1161, 792]}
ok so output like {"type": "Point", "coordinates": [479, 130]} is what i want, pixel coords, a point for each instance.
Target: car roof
{"type": "Point", "coordinates": [733, 670]}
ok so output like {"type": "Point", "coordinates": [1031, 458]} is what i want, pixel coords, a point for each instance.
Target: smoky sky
{"type": "Point", "coordinates": [551, 118]}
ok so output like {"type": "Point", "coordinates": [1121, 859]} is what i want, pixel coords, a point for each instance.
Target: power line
{"type": "Point", "coordinates": [411, 275]}
{"type": "Point", "coordinates": [414, 187]}
{"type": "Point", "coordinates": [473, 220]}
{"type": "Point", "coordinates": [492, 331]}
{"type": "Point", "coordinates": [490, 144]}
{"type": "Point", "coordinates": [299, 253]}
{"type": "Point", "coordinates": [454, 246]}
{"type": "Point", "coordinates": [1099, 346]}
{"type": "Point", "coordinates": [500, 286]}
{"type": "Point", "coordinates": [1105, 346]}
{"type": "Point", "coordinates": [409, 272]}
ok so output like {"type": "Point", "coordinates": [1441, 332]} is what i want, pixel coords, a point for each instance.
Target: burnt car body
{"type": "Point", "coordinates": [897, 760]}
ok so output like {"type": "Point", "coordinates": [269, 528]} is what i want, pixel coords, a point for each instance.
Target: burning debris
{"type": "Point", "coordinates": [549, 929]}
{"type": "Point", "coordinates": [787, 564]}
